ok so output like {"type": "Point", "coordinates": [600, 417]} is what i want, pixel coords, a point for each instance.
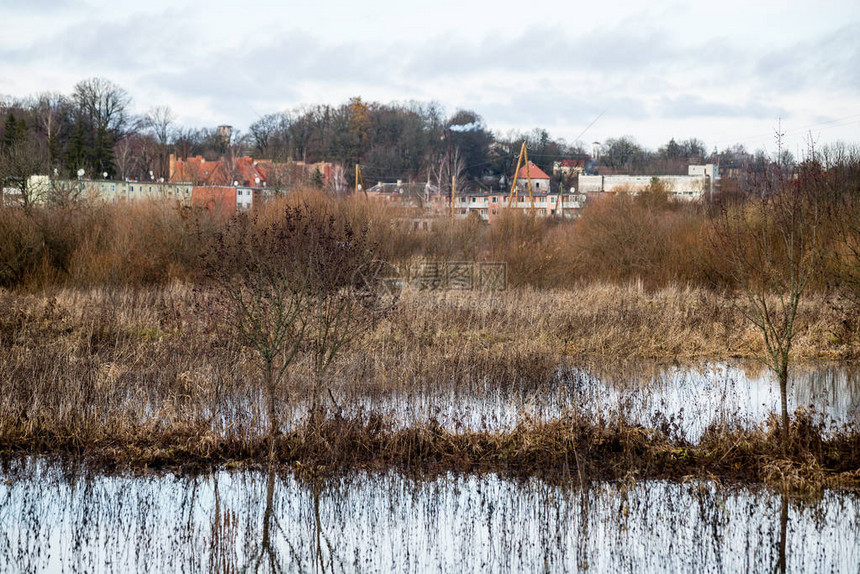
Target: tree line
{"type": "Point", "coordinates": [93, 132]}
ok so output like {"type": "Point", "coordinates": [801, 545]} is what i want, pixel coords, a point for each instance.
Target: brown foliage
{"type": "Point", "coordinates": [139, 378]}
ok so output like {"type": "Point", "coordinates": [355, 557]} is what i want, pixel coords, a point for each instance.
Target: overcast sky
{"type": "Point", "coordinates": [724, 72]}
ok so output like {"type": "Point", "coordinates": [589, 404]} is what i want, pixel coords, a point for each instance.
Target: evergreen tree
{"type": "Point", "coordinates": [14, 131]}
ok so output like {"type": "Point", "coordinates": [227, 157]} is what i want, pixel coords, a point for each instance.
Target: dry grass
{"type": "Point", "coordinates": [140, 377]}
{"type": "Point", "coordinates": [107, 348]}
{"type": "Point", "coordinates": [620, 322]}
{"type": "Point", "coordinates": [620, 239]}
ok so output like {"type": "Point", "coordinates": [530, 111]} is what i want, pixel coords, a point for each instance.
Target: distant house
{"type": "Point", "coordinates": [248, 172]}
{"type": "Point", "coordinates": [490, 205]}
{"type": "Point", "coordinates": [539, 179]}
{"type": "Point", "coordinates": [113, 191]}
{"type": "Point", "coordinates": [568, 168]}
{"type": "Point", "coordinates": [224, 171]}
{"type": "Point", "coordinates": [405, 194]}
{"type": "Point", "coordinates": [225, 200]}
{"type": "Point", "coordinates": [679, 186]}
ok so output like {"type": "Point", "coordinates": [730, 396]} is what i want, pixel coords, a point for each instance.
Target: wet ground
{"type": "Point", "coordinates": [57, 519]}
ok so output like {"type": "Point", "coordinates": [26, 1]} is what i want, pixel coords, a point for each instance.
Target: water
{"type": "Point", "coordinates": [692, 397]}
{"type": "Point", "coordinates": [53, 520]}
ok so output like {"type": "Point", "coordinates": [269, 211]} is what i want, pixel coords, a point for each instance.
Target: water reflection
{"type": "Point", "coordinates": [692, 398]}
{"type": "Point", "coordinates": [720, 393]}
{"type": "Point", "coordinates": [646, 393]}
{"type": "Point", "coordinates": [56, 520]}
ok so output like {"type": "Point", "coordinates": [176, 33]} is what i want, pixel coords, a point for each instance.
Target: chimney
{"type": "Point", "coordinates": [172, 169]}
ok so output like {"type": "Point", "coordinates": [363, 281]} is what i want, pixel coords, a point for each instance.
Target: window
{"type": "Point", "coordinates": [473, 200]}
{"type": "Point", "coordinates": [495, 199]}
{"type": "Point", "coordinates": [552, 200]}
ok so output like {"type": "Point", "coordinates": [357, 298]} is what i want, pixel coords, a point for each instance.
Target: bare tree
{"type": "Point", "coordinates": [338, 257]}
{"type": "Point", "coordinates": [52, 117]}
{"type": "Point", "coordinates": [773, 247]}
{"type": "Point", "coordinates": [125, 157]}
{"type": "Point", "coordinates": [839, 169]}
{"type": "Point", "coordinates": [259, 289]}
{"type": "Point", "coordinates": [283, 286]}
{"type": "Point", "coordinates": [159, 121]}
{"type": "Point", "coordinates": [104, 103]}
{"type": "Point", "coordinates": [102, 117]}
{"type": "Point", "coordinates": [19, 162]}
{"type": "Point", "coordinates": [449, 170]}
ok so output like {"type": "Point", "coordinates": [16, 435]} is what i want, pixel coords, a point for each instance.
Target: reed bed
{"type": "Point", "coordinates": [144, 377]}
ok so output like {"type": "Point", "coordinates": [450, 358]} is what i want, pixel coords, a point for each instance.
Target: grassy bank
{"type": "Point", "coordinates": [143, 377]}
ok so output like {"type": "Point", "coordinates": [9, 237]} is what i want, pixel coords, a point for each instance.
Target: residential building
{"type": "Point", "coordinates": [539, 179]}
{"type": "Point", "coordinates": [406, 194]}
{"type": "Point", "coordinates": [693, 186]}
{"type": "Point", "coordinates": [568, 168]}
{"type": "Point", "coordinates": [248, 172]}
{"type": "Point", "coordinates": [490, 205]}
{"type": "Point", "coordinates": [114, 191]}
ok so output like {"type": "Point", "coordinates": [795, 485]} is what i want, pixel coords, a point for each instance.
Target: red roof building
{"type": "Point", "coordinates": [224, 171]}
{"type": "Point", "coordinates": [539, 178]}
{"type": "Point", "coordinates": [248, 172]}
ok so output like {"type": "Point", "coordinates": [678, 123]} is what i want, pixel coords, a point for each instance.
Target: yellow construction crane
{"type": "Point", "coordinates": [524, 154]}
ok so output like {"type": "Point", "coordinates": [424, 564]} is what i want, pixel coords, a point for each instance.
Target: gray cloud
{"type": "Point", "coordinates": [42, 6]}
{"type": "Point", "coordinates": [541, 49]}
{"type": "Point", "coordinates": [689, 106]}
{"type": "Point", "coordinates": [548, 108]}
{"type": "Point", "coordinates": [542, 76]}
{"type": "Point", "coordinates": [832, 61]}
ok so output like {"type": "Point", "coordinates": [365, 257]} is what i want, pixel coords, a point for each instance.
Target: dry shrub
{"type": "Point", "coordinates": [21, 247]}
{"type": "Point", "coordinates": [647, 237]}
{"type": "Point", "coordinates": [140, 244]}
{"type": "Point", "coordinates": [101, 244]}
{"type": "Point", "coordinates": [532, 253]}
{"type": "Point", "coordinates": [620, 237]}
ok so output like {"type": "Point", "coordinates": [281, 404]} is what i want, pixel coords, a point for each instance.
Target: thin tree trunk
{"type": "Point", "coordinates": [783, 527]}
{"type": "Point", "coordinates": [783, 394]}
{"type": "Point", "coordinates": [273, 417]}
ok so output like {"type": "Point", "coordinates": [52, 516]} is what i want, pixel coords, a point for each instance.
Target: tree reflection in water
{"type": "Point", "coordinates": [61, 519]}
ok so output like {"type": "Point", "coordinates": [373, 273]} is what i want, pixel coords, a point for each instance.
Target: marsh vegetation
{"type": "Point", "coordinates": [621, 357]}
